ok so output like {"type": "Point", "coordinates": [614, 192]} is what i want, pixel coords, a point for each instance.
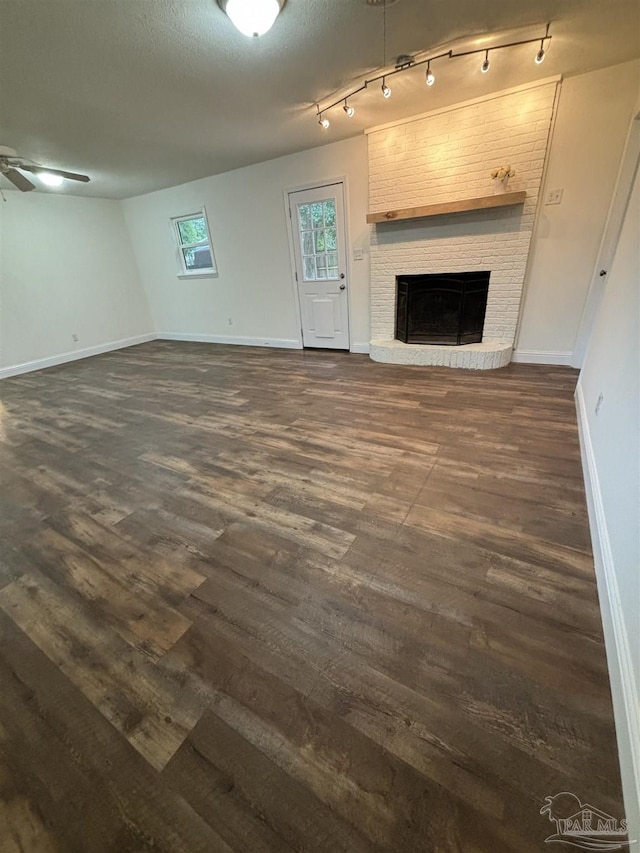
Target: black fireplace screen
{"type": "Point", "coordinates": [446, 308]}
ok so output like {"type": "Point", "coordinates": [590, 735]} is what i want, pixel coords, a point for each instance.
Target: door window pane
{"type": "Point", "coordinates": [330, 213]}
{"type": "Point", "coordinates": [318, 240]}
{"type": "Point", "coordinates": [316, 213]}
{"type": "Point", "coordinates": [309, 269]}
{"type": "Point", "coordinates": [307, 243]}
{"type": "Point", "coordinates": [305, 217]}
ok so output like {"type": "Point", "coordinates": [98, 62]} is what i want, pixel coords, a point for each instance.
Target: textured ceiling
{"type": "Point", "coordinates": [145, 94]}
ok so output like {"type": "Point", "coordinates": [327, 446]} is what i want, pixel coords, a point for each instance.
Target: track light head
{"type": "Point", "coordinates": [540, 54]}
{"type": "Point", "coordinates": [386, 91]}
{"type": "Point", "coordinates": [430, 77]}
{"type": "Point", "coordinates": [350, 111]}
{"type": "Point", "coordinates": [322, 121]}
{"type": "Point", "coordinates": [485, 65]}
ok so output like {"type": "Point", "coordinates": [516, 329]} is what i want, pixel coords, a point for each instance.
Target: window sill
{"type": "Point", "coordinates": [186, 276]}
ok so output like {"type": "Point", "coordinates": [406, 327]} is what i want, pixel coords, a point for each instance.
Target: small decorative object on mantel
{"type": "Point", "coordinates": [501, 178]}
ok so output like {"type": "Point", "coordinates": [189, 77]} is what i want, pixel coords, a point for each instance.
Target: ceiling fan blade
{"type": "Point", "coordinates": [72, 176]}
{"type": "Point", "coordinates": [18, 180]}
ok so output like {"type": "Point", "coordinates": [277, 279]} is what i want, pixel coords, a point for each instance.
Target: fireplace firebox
{"type": "Point", "coordinates": [445, 308]}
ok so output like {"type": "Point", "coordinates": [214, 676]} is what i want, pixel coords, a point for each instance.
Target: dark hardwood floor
{"type": "Point", "coordinates": [258, 600]}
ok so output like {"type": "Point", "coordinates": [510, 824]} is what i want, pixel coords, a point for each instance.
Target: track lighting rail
{"type": "Point", "coordinates": [407, 65]}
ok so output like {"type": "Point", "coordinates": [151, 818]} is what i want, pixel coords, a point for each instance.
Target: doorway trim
{"type": "Point", "coordinates": [313, 185]}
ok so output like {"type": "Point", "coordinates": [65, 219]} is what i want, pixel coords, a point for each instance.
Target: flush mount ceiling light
{"type": "Point", "coordinates": [408, 63]}
{"type": "Point", "coordinates": [252, 17]}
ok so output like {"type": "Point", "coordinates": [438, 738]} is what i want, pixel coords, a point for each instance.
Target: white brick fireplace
{"type": "Point", "coordinates": [447, 156]}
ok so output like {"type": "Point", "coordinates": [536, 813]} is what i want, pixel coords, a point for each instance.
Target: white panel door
{"type": "Point", "coordinates": [317, 220]}
{"type": "Point", "coordinates": [609, 242]}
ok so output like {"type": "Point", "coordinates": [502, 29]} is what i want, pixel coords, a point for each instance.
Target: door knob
{"type": "Point", "coordinates": [602, 272]}
{"type": "Point", "coordinates": [342, 286]}
{"type": "Point", "coordinates": [341, 275]}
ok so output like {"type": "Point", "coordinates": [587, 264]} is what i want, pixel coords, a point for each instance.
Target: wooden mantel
{"type": "Point", "coordinates": [465, 204]}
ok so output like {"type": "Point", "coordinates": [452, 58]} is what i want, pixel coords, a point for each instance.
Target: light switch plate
{"type": "Point", "coordinates": [358, 255]}
{"type": "Point", "coordinates": [554, 197]}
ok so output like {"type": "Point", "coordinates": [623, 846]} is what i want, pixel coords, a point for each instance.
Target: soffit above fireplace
{"type": "Point", "coordinates": [443, 208]}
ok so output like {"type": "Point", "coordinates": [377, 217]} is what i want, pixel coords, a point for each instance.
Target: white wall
{"type": "Point", "coordinates": [247, 217]}
{"type": "Point", "coordinates": [81, 278]}
{"type": "Point", "coordinates": [66, 267]}
{"type": "Point", "coordinates": [593, 116]}
{"type": "Point", "coordinates": [611, 453]}
{"type": "Point", "coordinates": [249, 230]}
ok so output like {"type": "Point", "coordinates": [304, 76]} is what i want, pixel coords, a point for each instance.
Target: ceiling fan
{"type": "Point", "coordinates": [12, 166]}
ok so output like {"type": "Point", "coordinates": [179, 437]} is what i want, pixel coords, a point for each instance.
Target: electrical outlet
{"type": "Point", "coordinates": [75, 338]}
{"type": "Point", "coordinates": [358, 255]}
{"type": "Point", "coordinates": [599, 403]}
{"type": "Point", "coordinates": [554, 197]}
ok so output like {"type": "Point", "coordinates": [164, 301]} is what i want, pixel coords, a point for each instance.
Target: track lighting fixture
{"type": "Point", "coordinates": [540, 55]}
{"type": "Point", "coordinates": [431, 77]}
{"type": "Point", "coordinates": [414, 62]}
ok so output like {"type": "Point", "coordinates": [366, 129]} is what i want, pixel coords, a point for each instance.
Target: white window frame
{"type": "Point", "coordinates": [206, 272]}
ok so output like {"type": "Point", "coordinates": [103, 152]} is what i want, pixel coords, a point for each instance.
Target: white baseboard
{"type": "Point", "coordinates": [62, 358]}
{"type": "Point", "coordinates": [364, 348]}
{"type": "Point", "coordinates": [624, 691]}
{"type": "Point", "coordinates": [283, 343]}
{"type": "Point", "coordinates": [534, 356]}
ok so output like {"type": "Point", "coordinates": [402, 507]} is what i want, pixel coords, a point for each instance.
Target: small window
{"type": "Point", "coordinates": [195, 251]}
